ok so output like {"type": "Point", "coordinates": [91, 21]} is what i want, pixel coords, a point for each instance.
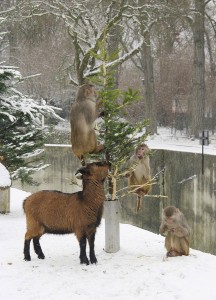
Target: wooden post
{"type": "Point", "coordinates": [5, 183]}
{"type": "Point", "coordinates": [5, 201]}
{"type": "Point", "coordinates": [112, 227]}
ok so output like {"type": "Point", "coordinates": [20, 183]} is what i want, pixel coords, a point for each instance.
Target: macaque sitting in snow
{"type": "Point", "coordinates": [139, 176]}
{"type": "Point", "coordinates": [176, 230]}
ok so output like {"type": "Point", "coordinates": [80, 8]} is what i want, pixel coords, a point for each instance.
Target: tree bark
{"type": "Point", "coordinates": [198, 104]}
{"type": "Point", "coordinates": [149, 83]}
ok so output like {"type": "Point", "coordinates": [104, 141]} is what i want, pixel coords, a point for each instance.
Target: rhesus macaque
{"type": "Point", "coordinates": [83, 114]}
{"type": "Point", "coordinates": [139, 178]}
{"type": "Point", "coordinates": [176, 230]}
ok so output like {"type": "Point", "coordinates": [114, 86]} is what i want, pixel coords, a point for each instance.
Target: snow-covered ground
{"type": "Point", "coordinates": [165, 139]}
{"type": "Point", "coordinates": [169, 139]}
{"type": "Point", "coordinates": [138, 271]}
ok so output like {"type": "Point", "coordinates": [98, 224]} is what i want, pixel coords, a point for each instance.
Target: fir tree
{"type": "Point", "coordinates": [21, 134]}
{"type": "Point", "coordinates": [119, 136]}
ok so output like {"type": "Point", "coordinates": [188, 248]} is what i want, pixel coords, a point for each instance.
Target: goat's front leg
{"type": "Point", "coordinates": [91, 241]}
{"type": "Point", "coordinates": [83, 257]}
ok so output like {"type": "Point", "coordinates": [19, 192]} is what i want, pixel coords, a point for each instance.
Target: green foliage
{"type": "Point", "coordinates": [3, 77]}
{"type": "Point", "coordinates": [21, 134]}
{"type": "Point", "coordinates": [120, 137]}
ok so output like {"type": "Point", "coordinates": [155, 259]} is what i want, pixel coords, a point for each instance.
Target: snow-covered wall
{"type": "Point", "coordinates": [5, 183]}
{"type": "Point", "coordinates": [5, 180]}
{"type": "Point", "coordinates": [182, 182]}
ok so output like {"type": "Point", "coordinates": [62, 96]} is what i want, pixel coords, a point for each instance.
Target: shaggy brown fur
{"type": "Point", "coordinates": [60, 213]}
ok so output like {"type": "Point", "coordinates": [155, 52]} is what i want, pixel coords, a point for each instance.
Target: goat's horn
{"type": "Point", "coordinates": [80, 170]}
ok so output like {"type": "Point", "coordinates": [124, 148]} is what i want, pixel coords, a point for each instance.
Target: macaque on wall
{"type": "Point", "coordinates": [176, 231]}
{"type": "Point", "coordinates": [140, 175]}
{"type": "Point", "coordinates": [84, 112]}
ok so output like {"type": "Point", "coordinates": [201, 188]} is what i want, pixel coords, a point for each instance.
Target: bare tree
{"type": "Point", "coordinates": [199, 69]}
{"type": "Point", "coordinates": [87, 25]}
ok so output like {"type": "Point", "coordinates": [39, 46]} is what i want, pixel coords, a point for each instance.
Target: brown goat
{"type": "Point", "coordinates": [60, 213]}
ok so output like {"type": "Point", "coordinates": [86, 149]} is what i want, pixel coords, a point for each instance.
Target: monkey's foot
{"type": "Point", "coordinates": [173, 253]}
{"type": "Point", "coordinates": [99, 148]}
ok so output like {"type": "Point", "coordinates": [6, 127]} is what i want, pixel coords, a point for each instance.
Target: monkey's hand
{"type": "Point", "coordinates": [163, 230]}
{"type": "Point", "coordinates": [101, 114]}
{"type": "Point", "coordinates": [165, 233]}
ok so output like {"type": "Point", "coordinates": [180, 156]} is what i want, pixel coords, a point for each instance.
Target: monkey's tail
{"type": "Point", "coordinates": [139, 203]}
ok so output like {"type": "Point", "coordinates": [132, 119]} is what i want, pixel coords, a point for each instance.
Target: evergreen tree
{"type": "Point", "coordinates": [119, 136]}
{"type": "Point", "coordinates": [21, 132]}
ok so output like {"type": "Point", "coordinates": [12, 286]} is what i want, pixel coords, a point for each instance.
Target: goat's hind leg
{"type": "Point", "coordinates": [83, 257]}
{"type": "Point", "coordinates": [37, 248]}
{"type": "Point", "coordinates": [26, 251]}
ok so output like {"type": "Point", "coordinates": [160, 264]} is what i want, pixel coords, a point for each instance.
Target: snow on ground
{"type": "Point", "coordinates": [178, 141]}
{"type": "Point", "coordinates": [137, 271]}
{"type": "Point", "coordinates": [168, 139]}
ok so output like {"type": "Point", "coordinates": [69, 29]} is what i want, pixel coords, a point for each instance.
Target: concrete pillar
{"type": "Point", "coordinates": [112, 226]}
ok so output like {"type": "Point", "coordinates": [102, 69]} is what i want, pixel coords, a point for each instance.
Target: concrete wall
{"type": "Point", "coordinates": [182, 182]}
{"type": "Point", "coordinates": [59, 175]}
{"type": "Point", "coordinates": [185, 187]}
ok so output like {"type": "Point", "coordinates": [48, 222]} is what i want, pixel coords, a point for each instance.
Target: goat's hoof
{"type": "Point", "coordinates": [93, 260]}
{"type": "Point", "coordinates": [41, 256]}
{"type": "Point", "coordinates": [27, 258]}
{"type": "Point", "coordinates": [84, 261]}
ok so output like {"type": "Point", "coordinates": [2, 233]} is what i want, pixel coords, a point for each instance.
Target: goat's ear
{"type": "Point", "coordinates": [83, 171]}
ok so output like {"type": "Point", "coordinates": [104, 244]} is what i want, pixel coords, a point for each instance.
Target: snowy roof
{"type": "Point", "coordinates": [5, 180]}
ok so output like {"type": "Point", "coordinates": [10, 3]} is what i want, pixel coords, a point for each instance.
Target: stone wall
{"type": "Point", "coordinates": [181, 182]}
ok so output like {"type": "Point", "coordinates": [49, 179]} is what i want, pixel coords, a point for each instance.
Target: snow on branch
{"type": "Point", "coordinates": [13, 101]}
{"type": "Point", "coordinates": [116, 62]}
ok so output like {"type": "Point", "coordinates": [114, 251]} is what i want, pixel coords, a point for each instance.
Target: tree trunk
{"type": "Point", "coordinates": [149, 84]}
{"type": "Point", "coordinates": [198, 105]}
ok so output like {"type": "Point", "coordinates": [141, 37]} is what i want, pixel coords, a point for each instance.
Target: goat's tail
{"type": "Point", "coordinates": [24, 205]}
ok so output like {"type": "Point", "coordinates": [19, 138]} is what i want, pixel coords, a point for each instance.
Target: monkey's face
{"type": "Point", "coordinates": [140, 152]}
{"type": "Point", "coordinates": [169, 220]}
{"type": "Point", "coordinates": [91, 91]}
